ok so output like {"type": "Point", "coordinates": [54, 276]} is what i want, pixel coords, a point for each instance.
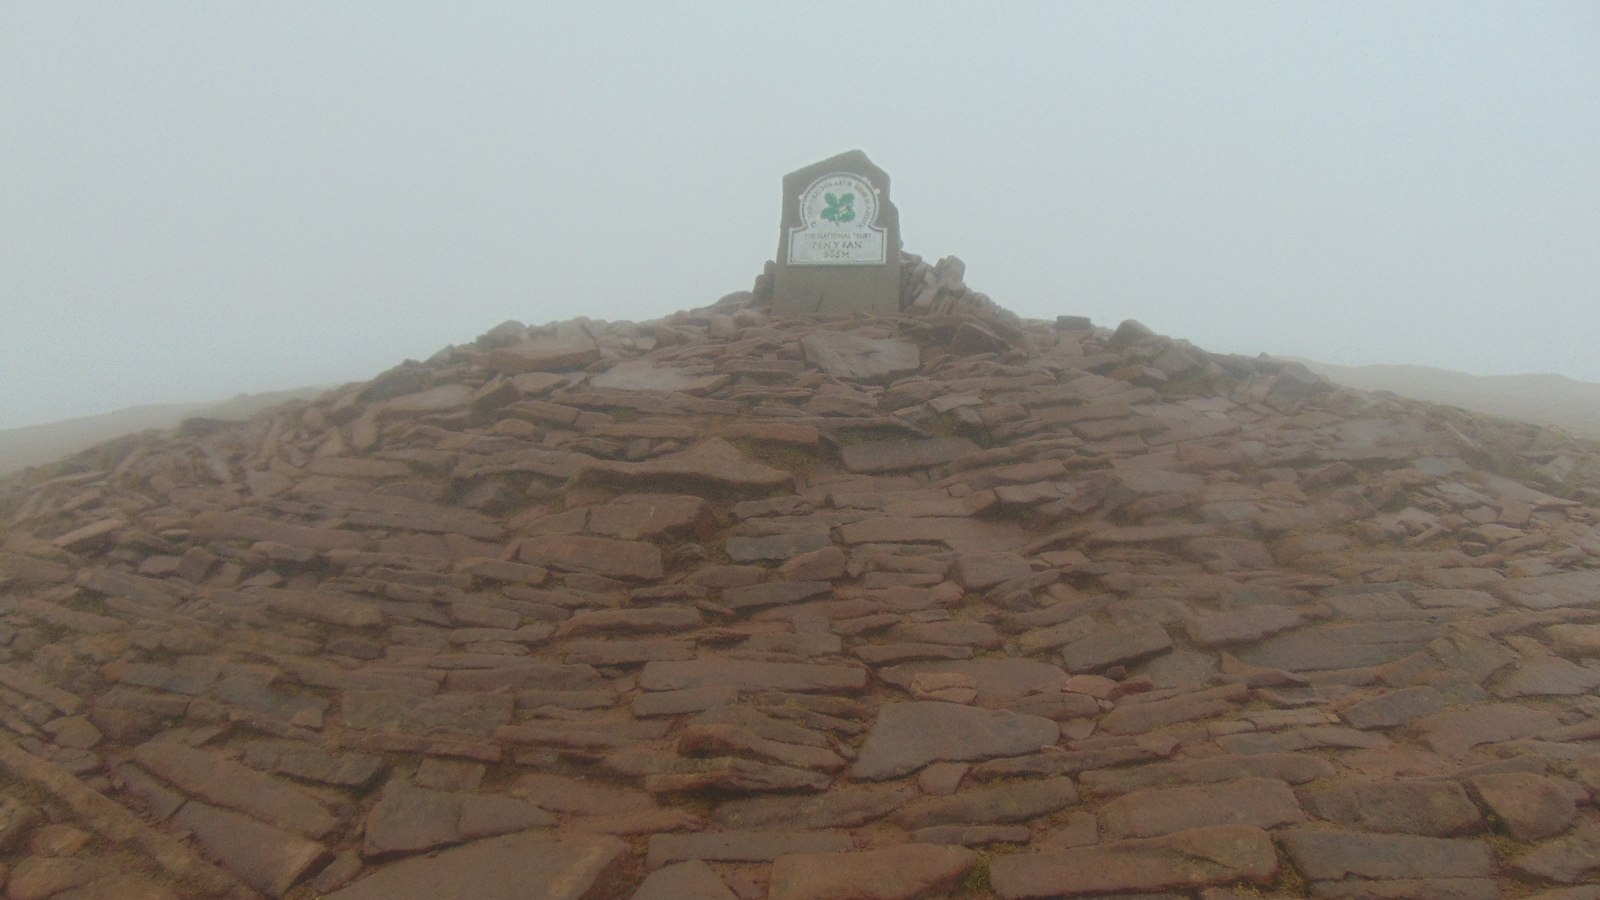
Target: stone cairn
{"type": "Point", "coordinates": [818, 608]}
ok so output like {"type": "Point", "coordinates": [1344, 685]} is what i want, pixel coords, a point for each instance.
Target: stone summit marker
{"type": "Point", "coordinates": [839, 244]}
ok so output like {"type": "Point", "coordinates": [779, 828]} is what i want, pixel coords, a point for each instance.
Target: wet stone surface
{"type": "Point", "coordinates": [738, 605]}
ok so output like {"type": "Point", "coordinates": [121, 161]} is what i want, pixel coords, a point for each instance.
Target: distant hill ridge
{"type": "Point", "coordinates": [1573, 406]}
{"type": "Point", "coordinates": [38, 444]}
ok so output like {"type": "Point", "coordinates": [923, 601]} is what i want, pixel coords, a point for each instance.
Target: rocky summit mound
{"type": "Point", "coordinates": [829, 608]}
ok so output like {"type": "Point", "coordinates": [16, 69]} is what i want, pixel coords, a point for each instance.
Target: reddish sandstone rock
{"type": "Point", "coordinates": [269, 860]}
{"type": "Point", "coordinates": [1532, 807]}
{"type": "Point", "coordinates": [503, 868]}
{"type": "Point", "coordinates": [988, 806]}
{"type": "Point", "coordinates": [1410, 806]}
{"type": "Point", "coordinates": [1187, 859]}
{"type": "Point", "coordinates": [908, 736]}
{"type": "Point", "coordinates": [223, 782]}
{"type": "Point", "coordinates": [632, 560]}
{"type": "Point", "coordinates": [1260, 802]}
{"type": "Point", "coordinates": [1333, 855]}
{"type": "Point", "coordinates": [692, 880]}
{"type": "Point", "coordinates": [893, 873]}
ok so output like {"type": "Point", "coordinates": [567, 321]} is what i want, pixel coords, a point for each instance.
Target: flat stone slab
{"type": "Point", "coordinates": [1531, 807]}
{"type": "Point", "coordinates": [642, 375]}
{"type": "Point", "coordinates": [1114, 645]}
{"type": "Point", "coordinates": [1187, 859]}
{"type": "Point", "coordinates": [747, 675]}
{"type": "Point", "coordinates": [1457, 730]}
{"type": "Point", "coordinates": [742, 846]}
{"type": "Point", "coordinates": [218, 780]}
{"type": "Point", "coordinates": [714, 461]}
{"type": "Point", "coordinates": [908, 736]}
{"type": "Point", "coordinates": [1002, 805]}
{"type": "Point", "coordinates": [998, 680]}
{"type": "Point", "coordinates": [851, 357]}
{"type": "Point", "coordinates": [1137, 718]}
{"type": "Point", "coordinates": [692, 880]}
{"type": "Point", "coordinates": [1333, 855]}
{"type": "Point", "coordinates": [846, 808]}
{"type": "Point", "coordinates": [1294, 768]}
{"type": "Point", "coordinates": [1552, 591]}
{"type": "Point", "coordinates": [528, 866]}
{"type": "Point", "coordinates": [634, 560]}
{"type": "Point", "coordinates": [960, 535]}
{"type": "Point", "coordinates": [1407, 805]}
{"type": "Point", "coordinates": [229, 526]}
{"type": "Point", "coordinates": [1395, 708]}
{"type": "Point", "coordinates": [1340, 646]}
{"type": "Point", "coordinates": [873, 457]}
{"type": "Point", "coordinates": [891, 873]}
{"type": "Point", "coordinates": [546, 353]}
{"type": "Point", "coordinates": [776, 547]}
{"type": "Point", "coordinates": [1260, 802]}
{"type": "Point", "coordinates": [263, 857]}
{"type": "Point", "coordinates": [1241, 626]}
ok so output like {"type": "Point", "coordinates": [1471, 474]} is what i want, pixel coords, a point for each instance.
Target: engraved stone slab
{"type": "Point", "coordinates": [839, 242]}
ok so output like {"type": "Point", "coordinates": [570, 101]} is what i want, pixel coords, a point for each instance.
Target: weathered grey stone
{"type": "Point", "coordinates": [1187, 859]}
{"type": "Point", "coordinates": [1294, 768]}
{"type": "Point", "coordinates": [1340, 646]}
{"type": "Point", "coordinates": [745, 675]}
{"type": "Point", "coordinates": [1395, 708]}
{"type": "Point", "coordinates": [847, 808]}
{"type": "Point", "coordinates": [267, 859]}
{"type": "Point", "coordinates": [891, 873]}
{"type": "Point", "coordinates": [895, 456]}
{"type": "Point", "coordinates": [692, 880]}
{"type": "Point", "coordinates": [529, 866]}
{"type": "Point", "coordinates": [1333, 855]}
{"type": "Point", "coordinates": [1409, 805]}
{"type": "Point", "coordinates": [1260, 802]}
{"type": "Point", "coordinates": [1114, 645]}
{"type": "Point", "coordinates": [908, 736]}
{"type": "Point", "coordinates": [741, 846]}
{"type": "Point", "coordinates": [991, 806]}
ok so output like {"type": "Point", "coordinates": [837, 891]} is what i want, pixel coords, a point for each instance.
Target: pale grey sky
{"type": "Point", "coordinates": [199, 199]}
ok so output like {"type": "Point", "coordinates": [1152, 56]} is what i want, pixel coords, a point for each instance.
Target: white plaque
{"type": "Point", "coordinates": [837, 213]}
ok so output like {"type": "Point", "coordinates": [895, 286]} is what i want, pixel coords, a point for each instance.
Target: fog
{"type": "Point", "coordinates": [202, 199]}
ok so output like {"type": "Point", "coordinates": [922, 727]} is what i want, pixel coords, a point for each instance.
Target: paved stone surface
{"type": "Point", "coordinates": [265, 858]}
{"type": "Point", "coordinates": [1531, 807]}
{"type": "Point", "coordinates": [750, 676]}
{"type": "Point", "coordinates": [513, 867]}
{"type": "Point", "coordinates": [1410, 806]}
{"type": "Point", "coordinates": [226, 783]}
{"type": "Point", "coordinates": [908, 736]}
{"type": "Point", "coordinates": [990, 806]}
{"type": "Point", "coordinates": [893, 873]}
{"type": "Point", "coordinates": [1340, 646]}
{"type": "Point", "coordinates": [1188, 859]}
{"type": "Point", "coordinates": [1261, 802]}
{"type": "Point", "coordinates": [1455, 731]}
{"type": "Point", "coordinates": [599, 556]}
{"type": "Point", "coordinates": [835, 809]}
{"type": "Point", "coordinates": [714, 599]}
{"type": "Point", "coordinates": [692, 880]}
{"type": "Point", "coordinates": [742, 846]}
{"type": "Point", "coordinates": [1333, 855]}
{"type": "Point", "coordinates": [854, 358]}
{"type": "Point", "coordinates": [895, 456]}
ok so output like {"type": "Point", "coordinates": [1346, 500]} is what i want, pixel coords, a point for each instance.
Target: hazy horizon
{"type": "Point", "coordinates": [209, 199]}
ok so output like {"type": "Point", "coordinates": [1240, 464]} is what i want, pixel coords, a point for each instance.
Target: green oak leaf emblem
{"type": "Point", "coordinates": [840, 208]}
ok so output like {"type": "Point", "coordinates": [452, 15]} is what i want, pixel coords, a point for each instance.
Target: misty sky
{"type": "Point", "coordinates": [201, 199]}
